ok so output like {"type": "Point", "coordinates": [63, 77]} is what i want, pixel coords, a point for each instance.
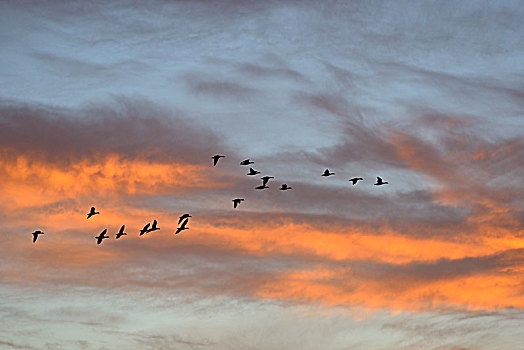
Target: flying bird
{"type": "Point", "coordinates": [253, 171]}
{"type": "Point", "coordinates": [327, 173]}
{"type": "Point", "coordinates": [92, 212]}
{"type": "Point", "coordinates": [285, 187]}
{"type": "Point", "coordinates": [215, 158]}
{"type": "Point", "coordinates": [237, 201]}
{"type": "Point", "coordinates": [101, 236]}
{"type": "Point", "coordinates": [380, 182]}
{"type": "Point", "coordinates": [182, 227]}
{"type": "Point", "coordinates": [153, 227]}
{"type": "Point", "coordinates": [355, 180]}
{"type": "Point", "coordinates": [183, 217]}
{"type": "Point", "coordinates": [261, 187]}
{"type": "Point", "coordinates": [121, 232]}
{"type": "Point", "coordinates": [265, 179]}
{"type": "Point", "coordinates": [35, 235]}
{"type": "Point", "coordinates": [246, 162]}
{"type": "Point", "coordinates": [145, 229]}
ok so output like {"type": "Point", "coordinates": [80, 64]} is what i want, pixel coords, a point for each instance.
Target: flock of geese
{"type": "Point", "coordinates": [182, 222]}
{"type": "Point", "coordinates": [184, 218]}
{"type": "Point", "coordinates": [284, 187]}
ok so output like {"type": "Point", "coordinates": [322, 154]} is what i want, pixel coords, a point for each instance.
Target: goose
{"type": "Point", "coordinates": [101, 236]}
{"type": "Point", "coordinates": [153, 227]}
{"type": "Point", "coordinates": [215, 158]}
{"type": "Point", "coordinates": [380, 182]}
{"type": "Point", "coordinates": [182, 227]}
{"type": "Point", "coordinates": [246, 162]}
{"type": "Point", "coordinates": [145, 229]}
{"type": "Point", "coordinates": [265, 179]}
{"type": "Point", "coordinates": [121, 232]}
{"type": "Point", "coordinates": [355, 180]}
{"type": "Point", "coordinates": [92, 212]}
{"type": "Point", "coordinates": [327, 173]}
{"type": "Point", "coordinates": [237, 201]}
{"type": "Point", "coordinates": [184, 216]}
{"type": "Point", "coordinates": [253, 171]}
{"type": "Point", "coordinates": [285, 187]}
{"type": "Point", "coordinates": [35, 235]}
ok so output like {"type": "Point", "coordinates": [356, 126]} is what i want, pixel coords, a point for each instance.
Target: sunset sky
{"type": "Point", "coordinates": [120, 105]}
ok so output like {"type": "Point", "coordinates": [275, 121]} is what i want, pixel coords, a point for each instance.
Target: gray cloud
{"type": "Point", "coordinates": [12, 345]}
{"type": "Point", "coordinates": [420, 272]}
{"type": "Point", "coordinates": [130, 128]}
{"type": "Point", "coordinates": [74, 67]}
{"type": "Point", "coordinates": [219, 88]}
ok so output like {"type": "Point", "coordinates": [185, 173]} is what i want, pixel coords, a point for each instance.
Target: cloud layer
{"type": "Point", "coordinates": [123, 107]}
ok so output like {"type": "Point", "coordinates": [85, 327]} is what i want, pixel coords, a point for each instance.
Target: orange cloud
{"type": "Point", "coordinates": [371, 267]}
{"type": "Point", "coordinates": [341, 287]}
{"type": "Point", "coordinates": [358, 242]}
{"type": "Point", "coordinates": [27, 181]}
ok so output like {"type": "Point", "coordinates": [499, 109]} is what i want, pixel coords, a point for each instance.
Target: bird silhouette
{"type": "Point", "coordinates": [285, 187]}
{"type": "Point", "coordinates": [183, 217]}
{"type": "Point", "coordinates": [145, 229]}
{"type": "Point", "coordinates": [92, 212]}
{"type": "Point", "coordinates": [380, 182]}
{"type": "Point", "coordinates": [253, 171]}
{"type": "Point", "coordinates": [215, 158]}
{"type": "Point", "coordinates": [261, 187]}
{"type": "Point", "coordinates": [182, 227]}
{"type": "Point", "coordinates": [355, 180]}
{"type": "Point", "coordinates": [327, 173]}
{"type": "Point", "coordinates": [265, 179]}
{"type": "Point", "coordinates": [246, 162]}
{"type": "Point", "coordinates": [35, 235]}
{"type": "Point", "coordinates": [121, 232]}
{"type": "Point", "coordinates": [101, 236]}
{"type": "Point", "coordinates": [237, 201]}
{"type": "Point", "coordinates": [153, 227]}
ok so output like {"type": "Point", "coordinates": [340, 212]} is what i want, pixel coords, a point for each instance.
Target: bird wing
{"type": "Point", "coordinates": [122, 229]}
{"type": "Point", "coordinates": [183, 226]}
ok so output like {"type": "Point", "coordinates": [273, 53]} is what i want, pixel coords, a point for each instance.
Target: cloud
{"type": "Point", "coordinates": [266, 71]}
{"type": "Point", "coordinates": [12, 345]}
{"type": "Point", "coordinates": [317, 242]}
{"type": "Point", "coordinates": [130, 128]}
{"type": "Point", "coordinates": [71, 67]}
{"type": "Point", "coordinates": [210, 86]}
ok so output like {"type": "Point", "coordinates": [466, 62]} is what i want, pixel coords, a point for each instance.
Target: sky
{"type": "Point", "coordinates": [120, 105]}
